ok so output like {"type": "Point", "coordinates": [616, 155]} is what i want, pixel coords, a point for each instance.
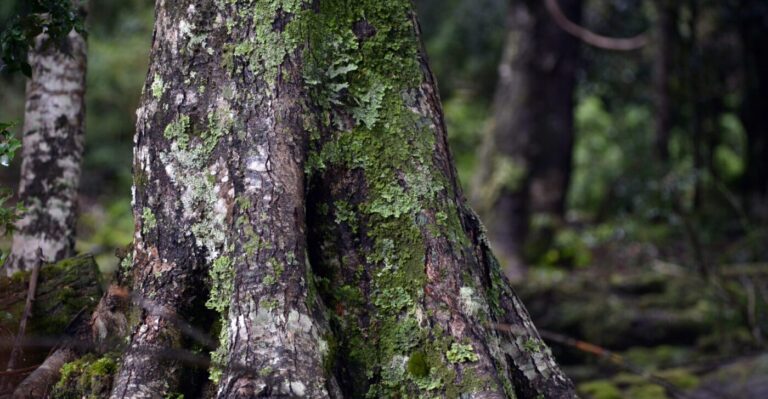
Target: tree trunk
{"type": "Point", "coordinates": [51, 153]}
{"type": "Point", "coordinates": [663, 63]}
{"type": "Point", "coordinates": [219, 190]}
{"type": "Point", "coordinates": [753, 29]}
{"type": "Point", "coordinates": [243, 104]}
{"type": "Point", "coordinates": [527, 152]}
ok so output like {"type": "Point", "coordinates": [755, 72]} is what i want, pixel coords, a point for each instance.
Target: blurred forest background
{"type": "Point", "coordinates": [624, 188]}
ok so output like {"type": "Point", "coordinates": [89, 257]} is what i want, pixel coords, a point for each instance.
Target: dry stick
{"type": "Point", "coordinates": [45, 375]}
{"type": "Point", "coordinates": [613, 358]}
{"type": "Point", "coordinates": [16, 350]}
{"type": "Point", "coordinates": [591, 38]}
{"type": "Point", "coordinates": [605, 354]}
{"type": "Point", "coordinates": [20, 371]}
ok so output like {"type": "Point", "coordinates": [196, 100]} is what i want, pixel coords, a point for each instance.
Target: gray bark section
{"type": "Point", "coordinates": [526, 155]}
{"type": "Point", "coordinates": [219, 190]}
{"type": "Point", "coordinates": [52, 153]}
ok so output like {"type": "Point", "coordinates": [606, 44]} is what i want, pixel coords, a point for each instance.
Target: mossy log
{"type": "Point", "coordinates": [623, 309]}
{"type": "Point", "coordinates": [65, 290]}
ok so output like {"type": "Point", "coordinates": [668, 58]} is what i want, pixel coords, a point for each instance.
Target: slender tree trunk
{"type": "Point", "coordinates": [526, 155]}
{"type": "Point", "coordinates": [245, 103]}
{"type": "Point", "coordinates": [667, 36]}
{"type": "Point", "coordinates": [754, 30]}
{"type": "Point", "coordinates": [697, 102]}
{"type": "Point", "coordinates": [51, 154]}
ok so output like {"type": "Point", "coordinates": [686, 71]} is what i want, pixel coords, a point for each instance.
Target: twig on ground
{"type": "Point", "coordinates": [606, 354]}
{"type": "Point", "coordinates": [16, 350]}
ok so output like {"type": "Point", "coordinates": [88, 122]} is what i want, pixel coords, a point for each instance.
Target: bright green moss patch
{"type": "Point", "coordinates": [64, 289]}
{"type": "Point", "coordinates": [158, 87]}
{"type": "Point", "coordinates": [149, 222]}
{"type": "Point", "coordinates": [417, 365]}
{"type": "Point", "coordinates": [461, 353]}
{"type": "Point", "coordinates": [177, 131]}
{"type": "Point", "coordinates": [222, 275]}
{"type": "Point", "coordinates": [86, 377]}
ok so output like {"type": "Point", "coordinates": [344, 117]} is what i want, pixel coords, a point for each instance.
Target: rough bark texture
{"type": "Point", "coordinates": [219, 190]}
{"type": "Point", "coordinates": [420, 308]}
{"type": "Point", "coordinates": [245, 102]}
{"type": "Point", "coordinates": [52, 153]}
{"type": "Point", "coordinates": [526, 154]}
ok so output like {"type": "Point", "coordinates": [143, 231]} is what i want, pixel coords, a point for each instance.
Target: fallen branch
{"type": "Point", "coordinates": [614, 358]}
{"type": "Point", "coordinates": [16, 350]}
{"type": "Point", "coordinates": [39, 382]}
{"type": "Point", "coordinates": [63, 292]}
{"type": "Point", "coordinates": [604, 354]}
{"type": "Point", "coordinates": [591, 38]}
{"type": "Point", "coordinates": [23, 370]}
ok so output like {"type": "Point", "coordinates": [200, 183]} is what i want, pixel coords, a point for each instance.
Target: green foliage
{"type": "Point", "coordinates": [593, 176]}
{"type": "Point", "coordinates": [117, 63]}
{"type": "Point", "coordinates": [9, 214]}
{"type": "Point", "coordinates": [550, 244]}
{"type": "Point", "coordinates": [103, 229]}
{"type": "Point", "coordinates": [9, 144]}
{"type": "Point", "coordinates": [464, 39]}
{"type": "Point", "coordinates": [56, 18]}
{"type": "Point", "coordinates": [466, 116]}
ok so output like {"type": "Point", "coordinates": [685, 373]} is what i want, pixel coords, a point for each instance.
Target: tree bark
{"type": "Point", "coordinates": [419, 303]}
{"type": "Point", "coordinates": [526, 154]}
{"type": "Point", "coordinates": [219, 190]}
{"type": "Point", "coordinates": [246, 102]}
{"type": "Point", "coordinates": [51, 153]}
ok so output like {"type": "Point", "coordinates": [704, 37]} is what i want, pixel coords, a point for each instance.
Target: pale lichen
{"type": "Point", "coordinates": [461, 353]}
{"type": "Point", "coordinates": [158, 87]}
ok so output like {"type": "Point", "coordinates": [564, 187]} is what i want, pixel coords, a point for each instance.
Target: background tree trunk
{"type": "Point", "coordinates": [526, 154]}
{"type": "Point", "coordinates": [753, 29]}
{"type": "Point", "coordinates": [51, 153]}
{"type": "Point", "coordinates": [666, 33]}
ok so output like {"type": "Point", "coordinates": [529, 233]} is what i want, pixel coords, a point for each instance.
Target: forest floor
{"type": "Point", "coordinates": [630, 312]}
{"type": "Point", "coordinates": [645, 320]}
